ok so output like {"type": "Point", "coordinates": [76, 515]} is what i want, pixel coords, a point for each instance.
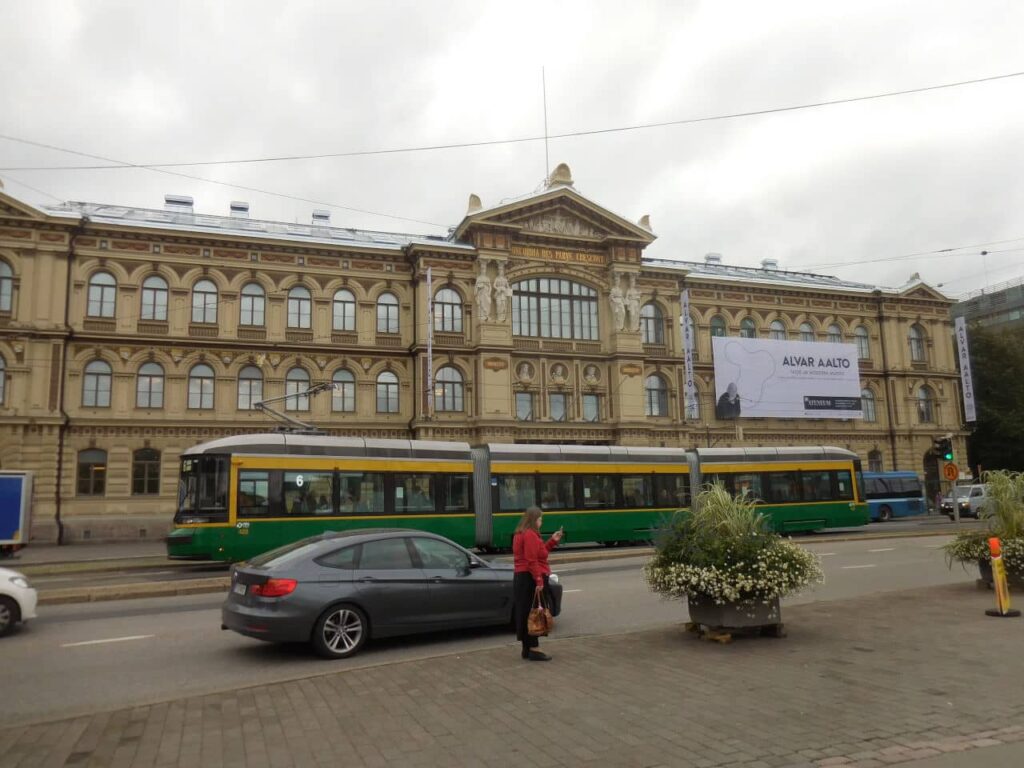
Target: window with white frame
{"type": "Point", "coordinates": [204, 302]}
{"type": "Point", "coordinates": [387, 313]}
{"type": "Point", "coordinates": [149, 386]}
{"type": "Point", "coordinates": [300, 307]}
{"type": "Point", "coordinates": [344, 310]}
{"type": "Point", "coordinates": [253, 305]}
{"type": "Point", "coordinates": [200, 387]}
{"type": "Point", "coordinates": [154, 298]}
{"type": "Point", "coordinates": [96, 384]}
{"type": "Point", "coordinates": [556, 309]}
{"type": "Point", "coordinates": [250, 387]}
{"type": "Point", "coordinates": [387, 393]}
{"type": "Point", "coordinates": [447, 311]}
{"type": "Point", "coordinates": [296, 382]}
{"type": "Point", "coordinates": [448, 390]}
{"type": "Point", "coordinates": [102, 295]}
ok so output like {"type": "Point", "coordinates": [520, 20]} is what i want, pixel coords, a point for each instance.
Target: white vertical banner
{"type": "Point", "coordinates": [692, 408]}
{"type": "Point", "coordinates": [966, 382]}
{"type": "Point", "coordinates": [430, 344]}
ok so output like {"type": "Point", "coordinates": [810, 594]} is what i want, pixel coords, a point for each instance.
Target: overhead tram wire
{"type": "Point", "coordinates": [491, 142]}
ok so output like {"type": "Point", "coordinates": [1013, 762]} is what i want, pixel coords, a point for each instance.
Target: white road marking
{"type": "Point", "coordinates": [108, 640]}
{"type": "Point", "coordinates": [825, 554]}
{"type": "Point", "coordinates": [850, 567]}
{"type": "Point", "coordinates": [567, 591]}
{"type": "Point", "coordinates": [884, 549]}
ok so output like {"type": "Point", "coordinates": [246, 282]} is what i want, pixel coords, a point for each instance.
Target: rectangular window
{"type": "Point", "coordinates": [558, 406]}
{"type": "Point", "coordinates": [516, 492]}
{"type": "Point", "coordinates": [361, 493]}
{"type": "Point", "coordinates": [844, 485]}
{"type": "Point", "coordinates": [817, 485]}
{"type": "Point", "coordinates": [591, 408]}
{"type": "Point", "coordinates": [253, 493]}
{"type": "Point", "coordinates": [308, 493]}
{"type": "Point", "coordinates": [524, 406]}
{"type": "Point", "coordinates": [146, 475]}
{"type": "Point", "coordinates": [597, 491]}
{"type": "Point", "coordinates": [638, 491]}
{"type": "Point", "coordinates": [252, 310]}
{"type": "Point", "coordinates": [203, 489]}
{"type": "Point", "coordinates": [456, 493]}
{"type": "Point", "coordinates": [750, 483]}
{"type": "Point", "coordinates": [414, 495]}
{"type": "Point", "coordinates": [556, 492]}
{"type": "Point", "coordinates": [672, 490]}
{"type": "Point", "coordinates": [154, 304]}
{"type": "Point", "coordinates": [783, 488]}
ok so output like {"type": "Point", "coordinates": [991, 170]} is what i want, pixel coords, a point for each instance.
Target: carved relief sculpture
{"type": "Point", "coordinates": [483, 294]}
{"type": "Point", "coordinates": [502, 294]}
{"type": "Point", "coordinates": [618, 303]}
{"type": "Point", "coordinates": [524, 371]}
{"type": "Point", "coordinates": [633, 303]}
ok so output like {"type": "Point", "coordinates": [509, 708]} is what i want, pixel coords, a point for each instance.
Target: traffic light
{"type": "Point", "coordinates": [944, 448]}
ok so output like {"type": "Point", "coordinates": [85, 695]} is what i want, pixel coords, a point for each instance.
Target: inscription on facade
{"type": "Point", "coordinates": [557, 254]}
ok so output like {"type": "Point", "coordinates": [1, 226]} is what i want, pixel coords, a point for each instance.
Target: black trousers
{"type": "Point", "coordinates": [523, 588]}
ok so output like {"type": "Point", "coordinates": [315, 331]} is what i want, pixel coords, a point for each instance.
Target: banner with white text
{"type": "Point", "coordinates": [767, 378]}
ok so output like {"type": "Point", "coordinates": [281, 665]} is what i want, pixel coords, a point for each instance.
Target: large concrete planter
{"type": "Point", "coordinates": [717, 622]}
{"type": "Point", "coordinates": [1014, 579]}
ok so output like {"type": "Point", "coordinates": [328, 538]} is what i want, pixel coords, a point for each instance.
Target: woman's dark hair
{"type": "Point", "coordinates": [529, 520]}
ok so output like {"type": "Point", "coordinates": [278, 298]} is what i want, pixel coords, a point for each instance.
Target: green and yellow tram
{"type": "Point", "coordinates": [244, 495]}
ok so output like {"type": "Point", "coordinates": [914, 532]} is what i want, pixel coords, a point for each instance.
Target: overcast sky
{"type": "Point", "coordinates": [834, 189]}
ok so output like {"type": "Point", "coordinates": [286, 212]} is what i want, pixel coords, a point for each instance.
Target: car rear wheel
{"type": "Point", "coordinates": [340, 632]}
{"type": "Point", "coordinates": [885, 514]}
{"type": "Point", "coordinates": [8, 615]}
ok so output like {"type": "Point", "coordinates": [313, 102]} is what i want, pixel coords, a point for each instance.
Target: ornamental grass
{"type": "Point", "coordinates": [1004, 514]}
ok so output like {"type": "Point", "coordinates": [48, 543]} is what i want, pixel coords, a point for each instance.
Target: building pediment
{"type": "Point", "coordinates": [923, 291]}
{"type": "Point", "coordinates": [12, 208]}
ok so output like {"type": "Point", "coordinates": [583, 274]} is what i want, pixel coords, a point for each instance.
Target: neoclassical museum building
{"type": "Point", "coordinates": [129, 334]}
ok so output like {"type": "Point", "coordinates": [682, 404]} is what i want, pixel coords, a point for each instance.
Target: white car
{"type": "Point", "coordinates": [17, 600]}
{"type": "Point", "coordinates": [968, 500]}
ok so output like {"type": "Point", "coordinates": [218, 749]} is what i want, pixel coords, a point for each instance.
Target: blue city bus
{"type": "Point", "coordinates": [893, 494]}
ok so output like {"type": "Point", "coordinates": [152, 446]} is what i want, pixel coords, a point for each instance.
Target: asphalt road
{"type": "Point", "coordinates": [82, 658]}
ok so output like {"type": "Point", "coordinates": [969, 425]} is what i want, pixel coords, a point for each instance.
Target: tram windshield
{"type": "Point", "coordinates": [203, 490]}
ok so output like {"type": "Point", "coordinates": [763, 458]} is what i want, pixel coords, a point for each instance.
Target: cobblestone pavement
{"type": "Point", "coordinates": [871, 681]}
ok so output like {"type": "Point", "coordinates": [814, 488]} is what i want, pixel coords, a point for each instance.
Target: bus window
{"type": "Point", "coordinates": [253, 493]}
{"type": "Point", "coordinates": [672, 490]}
{"type": "Point", "coordinates": [638, 491]}
{"type": "Point", "coordinates": [782, 488]}
{"type": "Point", "coordinates": [723, 480]}
{"type": "Point", "coordinates": [597, 491]}
{"type": "Point", "coordinates": [516, 492]}
{"type": "Point", "coordinates": [203, 490]}
{"type": "Point", "coordinates": [361, 493]}
{"type": "Point", "coordinates": [844, 485]}
{"type": "Point", "coordinates": [817, 485]}
{"type": "Point", "coordinates": [748, 483]}
{"type": "Point", "coordinates": [308, 493]}
{"type": "Point", "coordinates": [455, 492]}
{"type": "Point", "coordinates": [556, 492]}
{"type": "Point", "coordinates": [414, 494]}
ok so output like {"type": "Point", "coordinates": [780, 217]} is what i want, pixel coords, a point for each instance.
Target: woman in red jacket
{"type": "Point", "coordinates": [530, 555]}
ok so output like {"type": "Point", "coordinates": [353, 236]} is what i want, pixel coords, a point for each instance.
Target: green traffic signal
{"type": "Point", "coordinates": [945, 446]}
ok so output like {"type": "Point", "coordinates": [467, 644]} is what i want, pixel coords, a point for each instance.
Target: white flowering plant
{"type": "Point", "coordinates": [1005, 508]}
{"type": "Point", "coordinates": [724, 549]}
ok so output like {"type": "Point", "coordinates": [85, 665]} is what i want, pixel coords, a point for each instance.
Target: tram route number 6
{"type": "Point", "coordinates": [951, 472]}
{"type": "Point", "coordinates": [299, 481]}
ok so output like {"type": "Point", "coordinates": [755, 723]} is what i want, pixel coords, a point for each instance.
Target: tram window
{"type": "Point", "coordinates": [672, 490]}
{"type": "Point", "coordinates": [817, 485]}
{"type": "Point", "coordinates": [455, 492]}
{"type": "Point", "coordinates": [556, 492]}
{"type": "Point", "coordinates": [308, 493]}
{"type": "Point", "coordinates": [783, 488]}
{"type": "Point", "coordinates": [414, 494]}
{"type": "Point", "coordinates": [597, 491]}
{"type": "Point", "coordinates": [638, 491]}
{"type": "Point", "coordinates": [715, 479]}
{"type": "Point", "coordinates": [844, 485]}
{"type": "Point", "coordinates": [203, 490]}
{"type": "Point", "coordinates": [253, 493]}
{"type": "Point", "coordinates": [749, 483]}
{"type": "Point", "coordinates": [361, 493]}
{"type": "Point", "coordinates": [516, 492]}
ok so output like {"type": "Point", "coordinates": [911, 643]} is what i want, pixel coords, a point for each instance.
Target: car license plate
{"type": "Point", "coordinates": [238, 589]}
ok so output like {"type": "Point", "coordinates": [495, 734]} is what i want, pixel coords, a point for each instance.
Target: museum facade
{"type": "Point", "coordinates": [129, 334]}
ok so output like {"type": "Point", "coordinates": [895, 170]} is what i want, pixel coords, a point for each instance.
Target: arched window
{"type": "Point", "coordinates": [448, 311]}
{"type": "Point", "coordinates": [387, 313]}
{"type": "Point", "coordinates": [874, 460]}
{"type": "Point", "coordinates": [867, 402]}
{"type": "Point", "coordinates": [154, 298]}
{"type": "Point", "coordinates": [6, 286]}
{"type": "Point", "coordinates": [92, 472]}
{"type": "Point", "coordinates": [295, 385]}
{"type": "Point", "coordinates": [96, 385]}
{"type": "Point", "coordinates": [3, 380]}
{"type": "Point", "coordinates": [834, 334]}
{"type": "Point", "coordinates": [656, 396]}
{"type": "Point", "coordinates": [555, 309]}
{"type": "Point", "coordinates": [860, 335]}
{"type": "Point", "coordinates": [925, 405]}
{"type": "Point", "coordinates": [253, 305]}
{"type": "Point", "coordinates": [200, 387]}
{"type": "Point", "coordinates": [748, 329]}
{"type": "Point", "coordinates": [250, 387]}
{"type": "Point", "coordinates": [344, 396]}
{"type": "Point", "coordinates": [777, 330]}
{"type": "Point", "coordinates": [102, 293]}
{"type": "Point", "coordinates": [204, 302]}
{"type": "Point", "coordinates": [806, 332]}
{"type": "Point", "coordinates": [387, 393]}
{"type": "Point", "coordinates": [300, 308]}
{"type": "Point", "coordinates": [145, 472]}
{"type": "Point", "coordinates": [652, 325]}
{"type": "Point", "coordinates": [916, 339]}
{"type": "Point", "coordinates": [344, 311]}
{"type": "Point", "coordinates": [718, 327]}
{"type": "Point", "coordinates": [149, 386]}
{"type": "Point", "coordinates": [448, 390]}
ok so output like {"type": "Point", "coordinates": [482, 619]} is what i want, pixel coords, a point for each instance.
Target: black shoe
{"type": "Point", "coordinates": [526, 654]}
{"type": "Point", "coordinates": [538, 656]}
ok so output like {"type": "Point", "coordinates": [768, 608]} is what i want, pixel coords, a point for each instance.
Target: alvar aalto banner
{"type": "Point", "coordinates": [763, 378]}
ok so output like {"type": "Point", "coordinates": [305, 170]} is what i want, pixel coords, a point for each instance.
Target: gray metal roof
{"type": "Point", "coordinates": [184, 221]}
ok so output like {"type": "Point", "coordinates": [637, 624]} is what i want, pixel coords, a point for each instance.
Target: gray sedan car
{"type": "Point", "coordinates": [338, 589]}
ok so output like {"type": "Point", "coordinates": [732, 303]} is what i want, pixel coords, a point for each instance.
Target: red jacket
{"type": "Point", "coordinates": [530, 555]}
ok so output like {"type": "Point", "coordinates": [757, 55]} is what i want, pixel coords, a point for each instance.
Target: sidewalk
{"type": "Point", "coordinates": [902, 677]}
{"type": "Point", "coordinates": [48, 554]}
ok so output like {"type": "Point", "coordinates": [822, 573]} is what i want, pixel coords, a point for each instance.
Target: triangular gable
{"type": "Point", "coordinates": [558, 212]}
{"type": "Point", "coordinates": [922, 291]}
{"type": "Point", "coordinates": [11, 207]}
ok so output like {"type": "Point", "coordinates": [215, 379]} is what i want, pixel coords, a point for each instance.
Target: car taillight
{"type": "Point", "coordinates": [274, 588]}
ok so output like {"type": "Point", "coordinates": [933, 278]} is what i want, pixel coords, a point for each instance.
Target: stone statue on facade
{"type": "Point", "coordinates": [618, 303]}
{"type": "Point", "coordinates": [502, 294]}
{"type": "Point", "coordinates": [633, 303]}
{"type": "Point", "coordinates": [483, 294]}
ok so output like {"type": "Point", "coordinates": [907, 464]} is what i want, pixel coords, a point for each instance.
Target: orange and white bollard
{"type": "Point", "coordinates": [999, 579]}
